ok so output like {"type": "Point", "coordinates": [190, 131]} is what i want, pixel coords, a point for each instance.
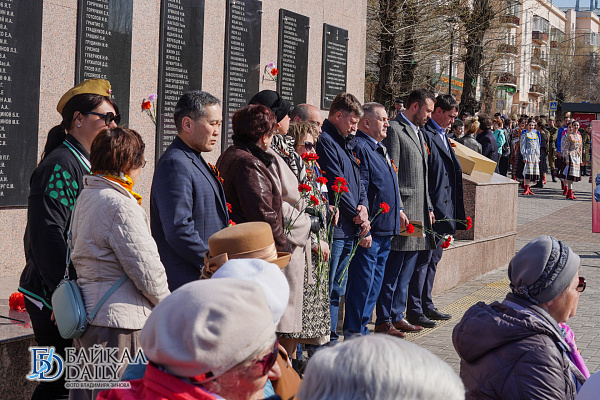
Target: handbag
{"type": "Point", "coordinates": [67, 301]}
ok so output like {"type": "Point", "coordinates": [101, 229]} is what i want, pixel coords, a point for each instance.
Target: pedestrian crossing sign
{"type": "Point", "coordinates": [553, 105]}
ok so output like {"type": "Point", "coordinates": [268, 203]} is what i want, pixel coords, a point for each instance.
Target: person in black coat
{"type": "Point", "coordinates": [446, 193]}
{"type": "Point", "coordinates": [485, 136]}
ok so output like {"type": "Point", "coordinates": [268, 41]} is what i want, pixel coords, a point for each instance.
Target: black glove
{"type": "Point", "coordinates": [317, 221]}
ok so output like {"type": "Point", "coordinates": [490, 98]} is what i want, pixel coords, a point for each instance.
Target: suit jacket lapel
{"type": "Point", "coordinates": [415, 136]}
{"type": "Point", "coordinates": [212, 179]}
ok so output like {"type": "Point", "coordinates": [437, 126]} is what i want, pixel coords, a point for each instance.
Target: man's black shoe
{"type": "Point", "coordinates": [436, 314]}
{"type": "Point", "coordinates": [421, 320]}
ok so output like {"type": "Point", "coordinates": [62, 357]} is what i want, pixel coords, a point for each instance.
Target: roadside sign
{"type": "Point", "coordinates": [553, 105]}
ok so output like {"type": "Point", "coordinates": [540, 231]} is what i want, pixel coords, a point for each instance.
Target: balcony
{"type": "Point", "coordinates": [507, 79]}
{"type": "Point", "coordinates": [539, 37]}
{"type": "Point", "coordinates": [508, 49]}
{"type": "Point", "coordinates": [536, 89]}
{"type": "Point", "coordinates": [538, 62]}
{"type": "Point", "coordinates": [512, 20]}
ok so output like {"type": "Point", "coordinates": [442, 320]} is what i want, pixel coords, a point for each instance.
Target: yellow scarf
{"type": "Point", "coordinates": [124, 181]}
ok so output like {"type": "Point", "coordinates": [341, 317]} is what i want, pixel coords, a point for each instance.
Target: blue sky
{"type": "Point", "coordinates": [571, 3]}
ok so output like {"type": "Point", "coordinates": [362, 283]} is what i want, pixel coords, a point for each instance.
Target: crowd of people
{"type": "Point", "coordinates": [238, 273]}
{"type": "Point", "coordinates": [528, 148]}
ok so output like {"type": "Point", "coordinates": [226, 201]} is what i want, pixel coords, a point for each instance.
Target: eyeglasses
{"type": "Point", "coordinates": [268, 361]}
{"type": "Point", "coordinates": [108, 117]}
{"type": "Point", "coordinates": [309, 146]}
{"type": "Point", "coordinates": [582, 284]}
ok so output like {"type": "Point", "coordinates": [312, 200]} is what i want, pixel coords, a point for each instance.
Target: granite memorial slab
{"type": "Point", "coordinates": [242, 59]}
{"type": "Point", "coordinates": [292, 59]}
{"type": "Point", "coordinates": [104, 47]}
{"type": "Point", "coordinates": [20, 59]}
{"type": "Point", "coordinates": [334, 65]}
{"type": "Point", "coordinates": [180, 62]}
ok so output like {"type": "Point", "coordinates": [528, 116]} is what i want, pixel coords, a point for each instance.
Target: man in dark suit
{"type": "Point", "coordinates": [407, 149]}
{"type": "Point", "coordinates": [335, 150]}
{"type": "Point", "coordinates": [378, 180]}
{"type": "Point", "coordinates": [187, 202]}
{"type": "Point", "coordinates": [446, 193]}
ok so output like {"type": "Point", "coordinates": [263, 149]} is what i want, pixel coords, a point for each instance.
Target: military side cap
{"type": "Point", "coordinates": [90, 86]}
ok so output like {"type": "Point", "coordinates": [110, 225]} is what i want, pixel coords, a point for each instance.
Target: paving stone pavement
{"type": "Point", "coordinates": [546, 213]}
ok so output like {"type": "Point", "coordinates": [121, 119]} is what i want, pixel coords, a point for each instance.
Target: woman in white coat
{"type": "Point", "coordinates": [111, 239]}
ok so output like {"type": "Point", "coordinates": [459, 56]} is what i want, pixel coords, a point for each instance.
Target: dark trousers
{"type": "Point", "coordinates": [46, 334]}
{"type": "Point", "coordinates": [338, 278]}
{"type": "Point", "coordinates": [365, 277]}
{"type": "Point", "coordinates": [503, 164]}
{"type": "Point", "coordinates": [421, 283]}
{"type": "Point", "coordinates": [391, 303]}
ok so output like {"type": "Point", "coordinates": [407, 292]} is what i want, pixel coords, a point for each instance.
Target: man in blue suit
{"type": "Point", "coordinates": [446, 193]}
{"type": "Point", "coordinates": [187, 202]}
{"type": "Point", "coordinates": [335, 150]}
{"type": "Point", "coordinates": [377, 179]}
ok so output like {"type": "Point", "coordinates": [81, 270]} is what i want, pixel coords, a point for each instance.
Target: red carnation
{"type": "Point", "coordinates": [303, 188]}
{"type": "Point", "coordinates": [410, 228]}
{"type": "Point", "coordinates": [384, 207]}
{"type": "Point", "coordinates": [340, 180]}
{"type": "Point", "coordinates": [314, 200]}
{"type": "Point", "coordinates": [446, 243]}
{"type": "Point", "coordinates": [309, 156]}
{"type": "Point", "coordinates": [321, 180]}
{"type": "Point", "coordinates": [229, 207]}
{"type": "Point", "coordinates": [469, 223]}
{"type": "Point", "coordinates": [231, 223]}
{"type": "Point", "coordinates": [345, 189]}
{"type": "Point", "coordinates": [16, 301]}
{"type": "Point", "coordinates": [274, 71]}
{"type": "Point", "coordinates": [146, 105]}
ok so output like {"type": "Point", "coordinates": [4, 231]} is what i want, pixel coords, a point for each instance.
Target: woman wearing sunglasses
{"type": "Point", "coordinates": [86, 109]}
{"type": "Point", "coordinates": [316, 326]}
{"type": "Point", "coordinates": [210, 339]}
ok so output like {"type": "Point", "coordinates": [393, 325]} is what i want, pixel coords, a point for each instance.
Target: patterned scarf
{"type": "Point", "coordinates": [123, 180]}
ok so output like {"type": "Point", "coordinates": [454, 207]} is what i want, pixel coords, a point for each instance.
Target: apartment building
{"type": "Point", "coordinates": [534, 39]}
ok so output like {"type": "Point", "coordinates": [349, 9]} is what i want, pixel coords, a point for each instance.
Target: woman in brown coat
{"type": "Point", "coordinates": [249, 186]}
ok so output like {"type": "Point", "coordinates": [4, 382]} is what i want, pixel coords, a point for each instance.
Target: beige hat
{"type": "Point", "coordinates": [246, 240]}
{"type": "Point", "coordinates": [91, 86]}
{"type": "Point", "coordinates": [208, 327]}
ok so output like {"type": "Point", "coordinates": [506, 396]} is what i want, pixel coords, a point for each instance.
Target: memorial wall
{"type": "Point", "coordinates": [308, 51]}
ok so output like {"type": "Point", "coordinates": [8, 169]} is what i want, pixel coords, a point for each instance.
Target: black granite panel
{"type": "Point", "coordinates": [292, 57]}
{"type": "Point", "coordinates": [20, 58]}
{"type": "Point", "coordinates": [180, 68]}
{"type": "Point", "coordinates": [104, 47]}
{"type": "Point", "coordinates": [242, 59]}
{"type": "Point", "coordinates": [335, 63]}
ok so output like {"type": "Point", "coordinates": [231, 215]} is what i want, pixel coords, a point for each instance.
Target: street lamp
{"type": "Point", "coordinates": [451, 20]}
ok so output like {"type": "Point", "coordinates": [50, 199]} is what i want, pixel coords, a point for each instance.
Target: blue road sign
{"type": "Point", "coordinates": [553, 105]}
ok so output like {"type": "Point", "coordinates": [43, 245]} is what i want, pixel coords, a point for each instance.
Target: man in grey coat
{"type": "Point", "coordinates": [408, 151]}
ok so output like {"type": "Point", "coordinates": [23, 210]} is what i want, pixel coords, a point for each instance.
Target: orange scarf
{"type": "Point", "coordinates": [124, 181]}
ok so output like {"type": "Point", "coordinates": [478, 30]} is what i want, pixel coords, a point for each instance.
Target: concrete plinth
{"type": "Point", "coordinates": [491, 201]}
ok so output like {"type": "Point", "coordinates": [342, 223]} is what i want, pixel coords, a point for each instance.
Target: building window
{"type": "Point", "coordinates": [540, 24]}
{"type": "Point", "coordinates": [513, 8]}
